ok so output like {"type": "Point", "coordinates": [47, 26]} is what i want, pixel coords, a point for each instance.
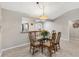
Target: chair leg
{"type": "Point", "coordinates": [30, 48]}
{"type": "Point", "coordinates": [42, 49]}
{"type": "Point", "coordinates": [59, 46]}
{"type": "Point", "coordinates": [55, 48]}
{"type": "Point", "coordinates": [33, 50]}
{"type": "Point", "coordinates": [50, 52]}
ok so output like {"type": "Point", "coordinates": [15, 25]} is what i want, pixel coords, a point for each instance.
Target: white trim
{"type": "Point", "coordinates": [68, 30]}
{"type": "Point", "coordinates": [14, 47]}
{"type": "Point", "coordinates": [64, 38]}
{"type": "Point", "coordinates": [0, 53]}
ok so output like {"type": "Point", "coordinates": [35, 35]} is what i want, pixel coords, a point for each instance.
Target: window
{"type": "Point", "coordinates": [25, 25]}
{"type": "Point", "coordinates": [39, 26]}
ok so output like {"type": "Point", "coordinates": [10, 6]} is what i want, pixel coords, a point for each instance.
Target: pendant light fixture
{"type": "Point", "coordinates": [43, 16]}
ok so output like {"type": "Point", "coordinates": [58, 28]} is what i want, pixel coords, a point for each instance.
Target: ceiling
{"type": "Point", "coordinates": [52, 9]}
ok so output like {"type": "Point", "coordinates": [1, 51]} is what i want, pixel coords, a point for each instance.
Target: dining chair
{"type": "Point", "coordinates": [53, 37]}
{"type": "Point", "coordinates": [50, 48]}
{"type": "Point", "coordinates": [33, 42]}
{"type": "Point", "coordinates": [50, 45]}
{"type": "Point", "coordinates": [54, 43]}
{"type": "Point", "coordinates": [57, 41]}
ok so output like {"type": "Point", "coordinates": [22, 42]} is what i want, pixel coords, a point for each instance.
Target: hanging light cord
{"type": "Point", "coordinates": [38, 5]}
{"type": "Point", "coordinates": [43, 9]}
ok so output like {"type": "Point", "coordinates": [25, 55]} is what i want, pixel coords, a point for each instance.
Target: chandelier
{"type": "Point", "coordinates": [43, 16]}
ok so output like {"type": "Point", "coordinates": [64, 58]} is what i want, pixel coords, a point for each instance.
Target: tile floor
{"type": "Point", "coordinates": [68, 49]}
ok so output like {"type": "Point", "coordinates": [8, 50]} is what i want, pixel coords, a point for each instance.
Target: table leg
{"type": "Point", "coordinates": [41, 47]}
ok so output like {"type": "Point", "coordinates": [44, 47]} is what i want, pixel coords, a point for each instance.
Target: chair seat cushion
{"type": "Point", "coordinates": [47, 44]}
{"type": "Point", "coordinates": [36, 44]}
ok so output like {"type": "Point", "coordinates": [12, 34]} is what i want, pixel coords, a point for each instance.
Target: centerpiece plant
{"type": "Point", "coordinates": [44, 33]}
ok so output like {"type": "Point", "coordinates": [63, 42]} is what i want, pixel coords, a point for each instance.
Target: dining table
{"type": "Point", "coordinates": [42, 42]}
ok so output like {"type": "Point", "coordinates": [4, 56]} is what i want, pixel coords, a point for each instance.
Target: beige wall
{"type": "Point", "coordinates": [62, 22]}
{"type": "Point", "coordinates": [61, 25]}
{"type": "Point", "coordinates": [11, 29]}
{"type": "Point", "coordinates": [74, 32]}
{"type": "Point", "coordinates": [0, 31]}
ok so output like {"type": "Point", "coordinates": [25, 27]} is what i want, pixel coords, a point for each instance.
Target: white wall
{"type": "Point", "coordinates": [0, 31]}
{"type": "Point", "coordinates": [11, 29]}
{"type": "Point", "coordinates": [61, 23]}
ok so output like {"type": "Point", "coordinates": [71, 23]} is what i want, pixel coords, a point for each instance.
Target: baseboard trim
{"type": "Point", "coordinates": [64, 39]}
{"type": "Point", "coordinates": [14, 47]}
{"type": "Point", "coordinates": [0, 53]}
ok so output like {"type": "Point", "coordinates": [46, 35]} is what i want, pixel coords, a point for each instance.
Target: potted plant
{"type": "Point", "coordinates": [44, 33]}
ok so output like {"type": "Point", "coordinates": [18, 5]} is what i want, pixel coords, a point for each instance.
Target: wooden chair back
{"type": "Point", "coordinates": [52, 40]}
{"type": "Point", "coordinates": [53, 36]}
{"type": "Point", "coordinates": [58, 37]}
{"type": "Point", "coordinates": [32, 37]}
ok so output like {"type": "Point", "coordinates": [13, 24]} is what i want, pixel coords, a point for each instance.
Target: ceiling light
{"type": "Point", "coordinates": [43, 16]}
